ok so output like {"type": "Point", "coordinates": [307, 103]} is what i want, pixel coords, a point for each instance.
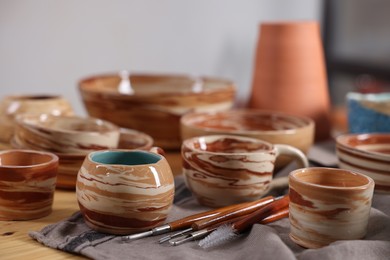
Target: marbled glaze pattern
{"type": "Point", "coordinates": [12, 106]}
{"type": "Point", "coordinates": [27, 184]}
{"type": "Point", "coordinates": [122, 199]}
{"type": "Point", "coordinates": [66, 134]}
{"type": "Point", "coordinates": [368, 154]}
{"type": "Point", "coordinates": [270, 126]}
{"type": "Point", "coordinates": [327, 205]}
{"type": "Point", "coordinates": [157, 102]}
{"type": "Point", "coordinates": [222, 170]}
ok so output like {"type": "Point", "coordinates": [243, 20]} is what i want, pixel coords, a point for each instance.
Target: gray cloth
{"type": "Point", "coordinates": [261, 242]}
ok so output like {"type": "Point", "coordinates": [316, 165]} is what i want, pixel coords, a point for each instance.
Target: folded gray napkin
{"type": "Point", "coordinates": [261, 242]}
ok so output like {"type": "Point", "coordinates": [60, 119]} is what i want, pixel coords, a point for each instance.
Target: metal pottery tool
{"type": "Point", "coordinates": [205, 231]}
{"type": "Point", "coordinates": [185, 223]}
{"type": "Point", "coordinates": [226, 233]}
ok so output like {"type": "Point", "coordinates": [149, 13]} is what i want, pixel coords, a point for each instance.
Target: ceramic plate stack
{"type": "Point", "coordinates": [368, 154]}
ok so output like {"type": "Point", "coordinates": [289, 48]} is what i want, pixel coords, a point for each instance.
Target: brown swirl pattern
{"type": "Point", "coordinates": [27, 184]}
{"type": "Point", "coordinates": [124, 199]}
{"type": "Point", "coordinates": [157, 104]}
{"type": "Point", "coordinates": [223, 170]}
{"type": "Point", "coordinates": [327, 205]}
{"type": "Point", "coordinates": [368, 154]}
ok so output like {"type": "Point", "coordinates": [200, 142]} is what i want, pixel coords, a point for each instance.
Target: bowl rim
{"type": "Point", "coordinates": [226, 84]}
{"type": "Point", "coordinates": [53, 158]}
{"type": "Point", "coordinates": [341, 141]}
{"type": "Point", "coordinates": [308, 122]}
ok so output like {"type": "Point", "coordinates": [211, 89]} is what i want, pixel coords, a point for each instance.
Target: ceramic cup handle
{"type": "Point", "coordinates": [157, 150]}
{"type": "Point", "coordinates": [288, 150]}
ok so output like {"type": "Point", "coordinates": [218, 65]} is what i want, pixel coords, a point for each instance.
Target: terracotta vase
{"type": "Point", "coordinates": [289, 73]}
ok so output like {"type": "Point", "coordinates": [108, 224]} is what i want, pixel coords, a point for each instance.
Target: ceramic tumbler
{"type": "Point", "coordinates": [327, 205]}
{"type": "Point", "coordinates": [124, 191]}
{"type": "Point", "coordinates": [27, 184]}
{"type": "Point", "coordinates": [289, 73]}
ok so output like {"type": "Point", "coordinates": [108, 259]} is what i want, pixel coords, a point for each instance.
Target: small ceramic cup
{"type": "Point", "coordinates": [27, 184]}
{"type": "Point", "coordinates": [328, 204]}
{"type": "Point", "coordinates": [124, 191]}
{"type": "Point", "coordinates": [222, 170]}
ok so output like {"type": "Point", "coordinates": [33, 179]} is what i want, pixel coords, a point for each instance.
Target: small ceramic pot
{"type": "Point", "coordinates": [327, 205]}
{"type": "Point", "coordinates": [222, 170]}
{"type": "Point", "coordinates": [27, 184]}
{"type": "Point", "coordinates": [123, 192]}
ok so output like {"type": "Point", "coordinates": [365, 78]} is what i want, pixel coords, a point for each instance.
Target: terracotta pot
{"type": "Point", "coordinates": [289, 73]}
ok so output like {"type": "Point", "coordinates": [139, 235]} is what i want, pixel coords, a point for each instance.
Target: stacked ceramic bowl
{"type": "Point", "coordinates": [153, 104]}
{"type": "Point", "coordinates": [368, 154]}
{"type": "Point", "coordinates": [270, 126]}
{"type": "Point", "coordinates": [72, 138]}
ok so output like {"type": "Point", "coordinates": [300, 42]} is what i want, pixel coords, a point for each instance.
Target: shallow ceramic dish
{"type": "Point", "coordinates": [12, 106]}
{"type": "Point", "coordinates": [66, 134]}
{"type": "Point", "coordinates": [368, 154]}
{"type": "Point", "coordinates": [153, 104]}
{"type": "Point", "coordinates": [272, 127]}
{"type": "Point", "coordinates": [69, 164]}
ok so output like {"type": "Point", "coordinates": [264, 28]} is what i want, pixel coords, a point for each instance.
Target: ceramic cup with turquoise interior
{"type": "Point", "coordinates": [124, 191]}
{"type": "Point", "coordinates": [368, 113]}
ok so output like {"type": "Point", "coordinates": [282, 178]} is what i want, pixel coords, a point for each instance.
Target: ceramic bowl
{"type": "Point", "coordinates": [66, 134]}
{"type": "Point", "coordinates": [69, 164]}
{"type": "Point", "coordinates": [272, 127]}
{"type": "Point", "coordinates": [153, 104]}
{"type": "Point", "coordinates": [368, 113]}
{"type": "Point", "coordinates": [12, 106]}
{"type": "Point", "coordinates": [368, 154]}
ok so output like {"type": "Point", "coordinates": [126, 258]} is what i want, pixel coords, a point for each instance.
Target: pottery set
{"type": "Point", "coordinates": [27, 184]}
{"type": "Point", "coordinates": [153, 104]}
{"type": "Point", "coordinates": [222, 170]}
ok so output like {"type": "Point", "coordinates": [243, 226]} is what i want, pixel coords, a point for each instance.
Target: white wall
{"type": "Point", "coordinates": [46, 46]}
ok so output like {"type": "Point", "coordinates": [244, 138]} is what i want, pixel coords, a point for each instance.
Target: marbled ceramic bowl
{"type": "Point", "coordinates": [66, 134]}
{"type": "Point", "coordinates": [153, 104]}
{"type": "Point", "coordinates": [368, 154]}
{"type": "Point", "coordinates": [269, 126]}
{"type": "Point", "coordinates": [70, 163]}
{"type": "Point", "coordinates": [12, 106]}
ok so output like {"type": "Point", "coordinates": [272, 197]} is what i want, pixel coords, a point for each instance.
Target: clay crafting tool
{"type": "Point", "coordinates": [185, 223]}
{"type": "Point", "coordinates": [226, 233]}
{"type": "Point", "coordinates": [204, 232]}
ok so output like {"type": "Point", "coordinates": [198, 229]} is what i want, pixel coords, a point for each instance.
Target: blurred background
{"type": "Point", "coordinates": [46, 46]}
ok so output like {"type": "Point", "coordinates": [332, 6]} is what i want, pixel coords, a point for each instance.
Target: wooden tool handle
{"type": "Point", "coordinates": [188, 221]}
{"type": "Point", "coordinates": [258, 215]}
{"type": "Point", "coordinates": [271, 218]}
{"type": "Point", "coordinates": [229, 214]}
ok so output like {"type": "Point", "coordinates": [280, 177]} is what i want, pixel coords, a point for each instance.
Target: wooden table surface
{"type": "Point", "coordinates": [15, 243]}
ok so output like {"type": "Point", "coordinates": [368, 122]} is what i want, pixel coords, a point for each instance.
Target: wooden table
{"type": "Point", "coordinates": [15, 243]}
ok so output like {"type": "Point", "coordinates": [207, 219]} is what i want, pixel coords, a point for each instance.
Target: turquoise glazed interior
{"type": "Point", "coordinates": [125, 157]}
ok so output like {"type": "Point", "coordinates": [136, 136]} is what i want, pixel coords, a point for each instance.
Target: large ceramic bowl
{"type": "Point", "coordinates": [368, 154]}
{"type": "Point", "coordinates": [273, 127]}
{"type": "Point", "coordinates": [153, 104]}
